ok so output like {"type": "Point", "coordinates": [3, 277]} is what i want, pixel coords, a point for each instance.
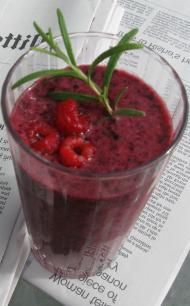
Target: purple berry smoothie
{"type": "Point", "coordinates": [77, 218]}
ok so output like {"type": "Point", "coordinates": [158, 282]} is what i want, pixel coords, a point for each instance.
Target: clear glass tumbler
{"type": "Point", "coordinates": [77, 222]}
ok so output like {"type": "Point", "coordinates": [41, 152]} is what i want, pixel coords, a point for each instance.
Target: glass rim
{"type": "Point", "coordinates": [76, 172]}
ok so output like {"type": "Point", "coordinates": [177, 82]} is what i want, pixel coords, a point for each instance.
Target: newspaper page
{"type": "Point", "coordinates": [152, 255]}
{"type": "Point", "coordinates": [17, 35]}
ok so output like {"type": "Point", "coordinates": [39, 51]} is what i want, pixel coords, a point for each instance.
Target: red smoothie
{"type": "Point", "coordinates": [79, 217]}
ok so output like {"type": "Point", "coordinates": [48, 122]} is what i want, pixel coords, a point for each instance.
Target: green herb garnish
{"type": "Point", "coordinates": [100, 94]}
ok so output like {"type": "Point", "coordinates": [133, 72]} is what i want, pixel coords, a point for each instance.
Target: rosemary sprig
{"type": "Point", "coordinates": [61, 95]}
{"type": "Point", "coordinates": [74, 71]}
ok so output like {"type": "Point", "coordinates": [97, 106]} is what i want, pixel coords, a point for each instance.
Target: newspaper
{"type": "Point", "coordinates": [150, 258]}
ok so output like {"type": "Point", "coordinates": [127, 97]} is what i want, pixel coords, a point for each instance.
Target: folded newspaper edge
{"type": "Point", "coordinates": [14, 260]}
{"type": "Point", "coordinates": [173, 275]}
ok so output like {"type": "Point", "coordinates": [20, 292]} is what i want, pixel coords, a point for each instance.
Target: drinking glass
{"type": "Point", "coordinates": [76, 221]}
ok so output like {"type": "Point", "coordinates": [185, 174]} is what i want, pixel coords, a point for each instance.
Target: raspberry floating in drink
{"type": "Point", "coordinates": [75, 152]}
{"type": "Point", "coordinates": [68, 119]}
{"type": "Point", "coordinates": [43, 138]}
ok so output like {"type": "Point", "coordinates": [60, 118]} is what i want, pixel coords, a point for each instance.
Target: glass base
{"type": "Point", "coordinates": [74, 265]}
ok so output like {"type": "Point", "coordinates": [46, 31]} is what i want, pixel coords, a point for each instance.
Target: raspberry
{"type": "Point", "coordinates": [68, 119]}
{"type": "Point", "coordinates": [75, 152]}
{"type": "Point", "coordinates": [43, 138]}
